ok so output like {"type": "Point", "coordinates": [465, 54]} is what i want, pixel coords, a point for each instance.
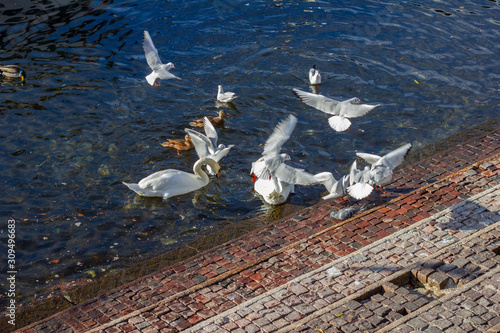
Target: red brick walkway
{"type": "Point", "coordinates": [194, 290]}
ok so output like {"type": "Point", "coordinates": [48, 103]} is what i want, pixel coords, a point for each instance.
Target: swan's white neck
{"type": "Point", "coordinates": [198, 171]}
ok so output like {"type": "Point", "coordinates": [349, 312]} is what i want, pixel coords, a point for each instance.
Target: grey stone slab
{"type": "Point", "coordinates": [417, 324]}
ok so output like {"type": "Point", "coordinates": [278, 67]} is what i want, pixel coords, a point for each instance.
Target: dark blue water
{"type": "Point", "coordinates": [86, 120]}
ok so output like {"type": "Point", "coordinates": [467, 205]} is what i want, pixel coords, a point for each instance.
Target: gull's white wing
{"type": "Point", "coordinates": [165, 75]}
{"type": "Point", "coordinates": [201, 143]}
{"type": "Point", "coordinates": [350, 110]}
{"type": "Point", "coordinates": [221, 152]}
{"type": "Point", "coordinates": [152, 56]}
{"type": "Point", "coordinates": [319, 102]}
{"type": "Point", "coordinates": [210, 132]}
{"type": "Point", "coordinates": [353, 173]}
{"type": "Point", "coordinates": [395, 157]}
{"type": "Point", "coordinates": [293, 175]}
{"type": "Point", "coordinates": [369, 158]}
{"type": "Point", "coordinates": [280, 135]}
{"type": "Point", "coordinates": [260, 170]}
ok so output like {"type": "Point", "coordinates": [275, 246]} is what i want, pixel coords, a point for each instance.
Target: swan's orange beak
{"type": "Point", "coordinates": [254, 178]}
{"type": "Point", "coordinates": [217, 175]}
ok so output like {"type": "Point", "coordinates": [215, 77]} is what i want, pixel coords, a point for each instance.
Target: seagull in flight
{"type": "Point", "coordinates": [341, 111]}
{"type": "Point", "coordinates": [160, 70]}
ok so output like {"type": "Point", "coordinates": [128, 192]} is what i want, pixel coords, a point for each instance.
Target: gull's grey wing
{"type": "Point", "coordinates": [152, 56]}
{"type": "Point", "coordinates": [280, 135]}
{"type": "Point", "coordinates": [369, 158]}
{"type": "Point", "coordinates": [395, 157]}
{"type": "Point", "coordinates": [319, 102]}
{"type": "Point", "coordinates": [220, 153]}
{"type": "Point", "coordinates": [350, 110]}
{"type": "Point", "coordinates": [293, 175]}
{"type": "Point", "coordinates": [201, 143]}
{"type": "Point", "coordinates": [210, 132]}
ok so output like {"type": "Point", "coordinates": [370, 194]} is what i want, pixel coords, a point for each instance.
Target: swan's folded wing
{"type": "Point", "coordinates": [319, 102]}
{"type": "Point", "coordinates": [152, 56]}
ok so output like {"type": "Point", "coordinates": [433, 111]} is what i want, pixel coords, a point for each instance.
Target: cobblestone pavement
{"type": "Point", "coordinates": [426, 257]}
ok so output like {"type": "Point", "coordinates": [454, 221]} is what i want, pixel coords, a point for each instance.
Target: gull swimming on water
{"type": "Point", "coordinates": [314, 76]}
{"type": "Point", "coordinates": [225, 97]}
{"type": "Point", "coordinates": [160, 70]}
{"type": "Point", "coordinates": [341, 110]}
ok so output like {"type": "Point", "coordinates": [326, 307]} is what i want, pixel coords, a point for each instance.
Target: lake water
{"type": "Point", "coordinates": [86, 119]}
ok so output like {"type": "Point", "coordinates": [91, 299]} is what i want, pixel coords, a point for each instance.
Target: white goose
{"type": "Point", "coordinates": [314, 76]}
{"type": "Point", "coordinates": [341, 110]}
{"type": "Point", "coordinates": [160, 71]}
{"type": "Point", "coordinates": [171, 182]}
{"type": "Point", "coordinates": [225, 97]}
{"type": "Point", "coordinates": [206, 145]}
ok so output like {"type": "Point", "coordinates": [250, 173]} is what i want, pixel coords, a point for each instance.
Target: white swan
{"type": "Point", "coordinates": [160, 71]}
{"type": "Point", "coordinates": [206, 145]}
{"type": "Point", "coordinates": [314, 76]}
{"type": "Point", "coordinates": [171, 182]}
{"type": "Point", "coordinates": [270, 193]}
{"type": "Point", "coordinates": [225, 97]}
{"type": "Point", "coordinates": [341, 110]}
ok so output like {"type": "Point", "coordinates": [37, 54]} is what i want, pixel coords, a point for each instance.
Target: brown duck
{"type": "Point", "coordinates": [13, 71]}
{"type": "Point", "coordinates": [179, 144]}
{"type": "Point", "coordinates": [216, 121]}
